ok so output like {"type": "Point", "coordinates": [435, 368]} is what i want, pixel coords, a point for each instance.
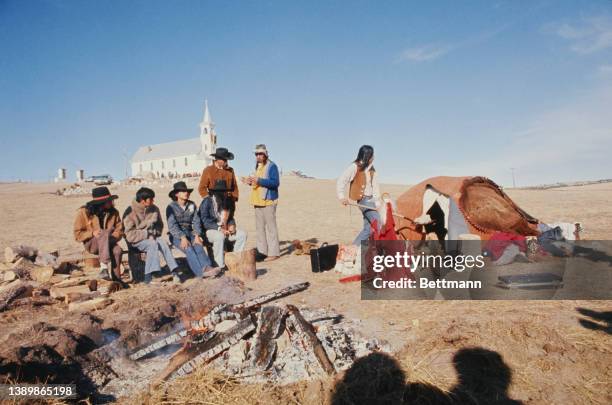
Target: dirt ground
{"type": "Point", "coordinates": [535, 352]}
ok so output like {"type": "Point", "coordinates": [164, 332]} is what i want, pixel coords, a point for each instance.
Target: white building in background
{"type": "Point", "coordinates": [187, 156]}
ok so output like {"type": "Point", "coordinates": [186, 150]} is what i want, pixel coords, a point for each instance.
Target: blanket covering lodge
{"type": "Point", "coordinates": [484, 205]}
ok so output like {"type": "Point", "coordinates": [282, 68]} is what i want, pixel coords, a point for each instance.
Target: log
{"type": "Point", "coordinates": [269, 327]}
{"type": "Point", "coordinates": [12, 253]}
{"type": "Point", "coordinates": [60, 293]}
{"type": "Point", "coordinates": [41, 274]}
{"type": "Point", "coordinates": [310, 339]}
{"type": "Point", "coordinates": [186, 360]}
{"type": "Point", "coordinates": [71, 282]}
{"type": "Point", "coordinates": [167, 340]}
{"type": "Point", "coordinates": [74, 296]}
{"type": "Point", "coordinates": [32, 301]}
{"type": "Point", "coordinates": [247, 265]}
{"type": "Point", "coordinates": [9, 275]}
{"type": "Point", "coordinates": [91, 305]}
{"type": "Point", "coordinates": [21, 290]}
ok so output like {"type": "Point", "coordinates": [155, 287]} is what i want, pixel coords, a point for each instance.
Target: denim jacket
{"type": "Point", "coordinates": [207, 219]}
{"type": "Point", "coordinates": [180, 221]}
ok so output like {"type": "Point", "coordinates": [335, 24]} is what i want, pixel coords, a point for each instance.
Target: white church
{"type": "Point", "coordinates": [175, 159]}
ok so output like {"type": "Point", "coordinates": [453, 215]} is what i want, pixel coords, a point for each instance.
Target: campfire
{"type": "Point", "coordinates": [258, 340]}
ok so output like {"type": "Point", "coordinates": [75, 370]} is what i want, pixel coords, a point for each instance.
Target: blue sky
{"type": "Point", "coordinates": [438, 88]}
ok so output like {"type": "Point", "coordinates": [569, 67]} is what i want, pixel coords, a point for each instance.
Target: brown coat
{"type": "Point", "coordinates": [211, 174]}
{"type": "Point", "coordinates": [358, 184]}
{"type": "Point", "coordinates": [141, 222]}
{"type": "Point", "coordinates": [85, 224]}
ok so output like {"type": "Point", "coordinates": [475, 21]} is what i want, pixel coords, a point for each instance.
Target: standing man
{"type": "Point", "coordinates": [264, 197]}
{"type": "Point", "coordinates": [143, 229]}
{"type": "Point", "coordinates": [219, 170]}
{"type": "Point", "coordinates": [98, 226]}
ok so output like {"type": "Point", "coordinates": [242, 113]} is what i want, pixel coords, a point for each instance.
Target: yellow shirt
{"type": "Point", "coordinates": [256, 198]}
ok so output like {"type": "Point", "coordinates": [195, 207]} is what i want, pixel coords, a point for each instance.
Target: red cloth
{"type": "Point", "coordinates": [388, 231]}
{"type": "Point", "coordinates": [501, 240]}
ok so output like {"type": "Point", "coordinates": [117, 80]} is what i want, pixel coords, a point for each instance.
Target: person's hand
{"type": "Point", "coordinates": [185, 243]}
{"type": "Point", "coordinates": [253, 180]}
{"type": "Point", "coordinates": [344, 201]}
{"type": "Point", "coordinates": [197, 240]}
{"type": "Point", "coordinates": [97, 233]}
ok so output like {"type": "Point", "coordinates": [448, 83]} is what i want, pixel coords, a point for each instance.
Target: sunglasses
{"type": "Point", "coordinates": [260, 154]}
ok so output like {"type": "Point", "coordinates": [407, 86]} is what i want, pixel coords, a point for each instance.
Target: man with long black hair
{"type": "Point", "coordinates": [362, 181]}
{"type": "Point", "coordinates": [98, 226]}
{"type": "Point", "coordinates": [216, 223]}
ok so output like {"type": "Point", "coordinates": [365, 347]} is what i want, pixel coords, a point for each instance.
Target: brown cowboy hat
{"type": "Point", "coordinates": [100, 195]}
{"type": "Point", "coordinates": [177, 187]}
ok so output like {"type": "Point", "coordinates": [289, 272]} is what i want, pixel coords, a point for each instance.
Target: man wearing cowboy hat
{"type": "Point", "coordinates": [181, 213]}
{"type": "Point", "coordinates": [264, 197]}
{"type": "Point", "coordinates": [216, 222]}
{"type": "Point", "coordinates": [98, 226]}
{"type": "Point", "coordinates": [219, 170]}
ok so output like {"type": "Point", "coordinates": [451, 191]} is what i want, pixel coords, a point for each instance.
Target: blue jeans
{"type": "Point", "coordinates": [369, 215]}
{"type": "Point", "coordinates": [197, 258]}
{"type": "Point", "coordinates": [151, 247]}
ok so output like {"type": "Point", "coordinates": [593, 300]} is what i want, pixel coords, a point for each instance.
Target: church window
{"type": "Point", "coordinates": [163, 165]}
{"type": "Point", "coordinates": [186, 162]}
{"type": "Point", "coordinates": [173, 163]}
{"type": "Point", "coordinates": [140, 168]}
{"type": "Point", "coordinates": [151, 166]}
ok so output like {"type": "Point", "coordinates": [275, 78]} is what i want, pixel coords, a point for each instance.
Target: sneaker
{"type": "Point", "coordinates": [176, 279]}
{"type": "Point", "coordinates": [211, 272]}
{"type": "Point", "coordinates": [148, 278]}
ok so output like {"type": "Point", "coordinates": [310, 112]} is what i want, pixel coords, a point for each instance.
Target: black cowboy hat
{"type": "Point", "coordinates": [223, 153]}
{"type": "Point", "coordinates": [178, 186]}
{"type": "Point", "coordinates": [101, 195]}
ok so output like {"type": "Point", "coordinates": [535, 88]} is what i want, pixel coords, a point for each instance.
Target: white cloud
{"type": "Point", "coordinates": [424, 53]}
{"type": "Point", "coordinates": [592, 34]}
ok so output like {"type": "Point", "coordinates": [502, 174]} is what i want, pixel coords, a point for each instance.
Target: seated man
{"type": "Point", "coordinates": [180, 214]}
{"type": "Point", "coordinates": [143, 229]}
{"type": "Point", "coordinates": [98, 226]}
{"type": "Point", "coordinates": [216, 221]}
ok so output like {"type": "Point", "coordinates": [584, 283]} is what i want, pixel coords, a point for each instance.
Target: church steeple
{"type": "Point", "coordinates": [208, 135]}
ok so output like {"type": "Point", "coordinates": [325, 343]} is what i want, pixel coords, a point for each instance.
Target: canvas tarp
{"type": "Point", "coordinates": [483, 206]}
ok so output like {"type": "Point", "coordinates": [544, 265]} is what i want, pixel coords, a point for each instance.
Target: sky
{"type": "Point", "coordinates": [437, 88]}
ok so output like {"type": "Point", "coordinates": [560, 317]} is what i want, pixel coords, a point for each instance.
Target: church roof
{"type": "Point", "coordinates": [184, 147]}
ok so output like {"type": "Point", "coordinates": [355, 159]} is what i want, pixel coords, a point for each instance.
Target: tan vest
{"type": "Point", "coordinates": [358, 184]}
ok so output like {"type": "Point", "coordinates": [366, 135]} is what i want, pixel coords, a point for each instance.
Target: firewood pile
{"type": "Point", "coordinates": [260, 341]}
{"type": "Point", "coordinates": [32, 277]}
